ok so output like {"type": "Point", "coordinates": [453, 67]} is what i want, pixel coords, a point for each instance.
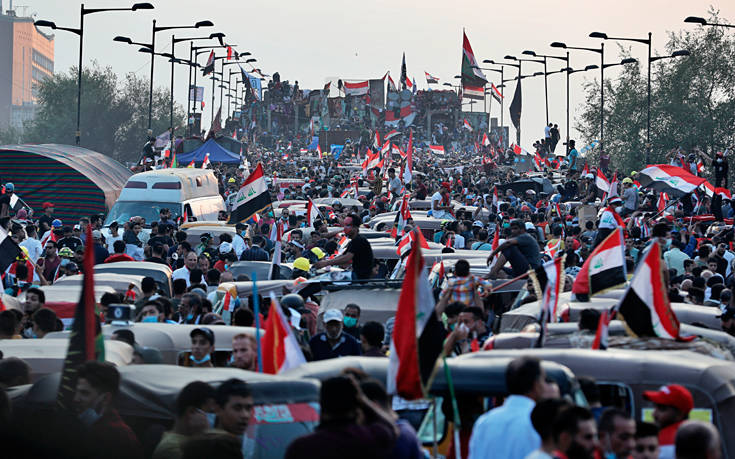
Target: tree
{"type": "Point", "coordinates": [692, 101]}
{"type": "Point", "coordinates": [114, 117]}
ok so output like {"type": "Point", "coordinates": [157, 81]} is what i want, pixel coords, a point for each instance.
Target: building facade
{"type": "Point", "coordinates": [26, 59]}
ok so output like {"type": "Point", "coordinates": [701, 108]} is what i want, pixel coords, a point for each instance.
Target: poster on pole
{"type": "Point", "coordinates": [196, 93]}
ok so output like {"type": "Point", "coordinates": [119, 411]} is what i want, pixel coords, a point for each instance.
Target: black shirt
{"type": "Point", "coordinates": [4, 199]}
{"type": "Point", "coordinates": [362, 260]}
{"type": "Point", "coordinates": [71, 241]}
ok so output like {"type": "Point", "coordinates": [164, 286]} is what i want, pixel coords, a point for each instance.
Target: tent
{"type": "Point", "coordinates": [79, 182]}
{"type": "Point", "coordinates": [217, 154]}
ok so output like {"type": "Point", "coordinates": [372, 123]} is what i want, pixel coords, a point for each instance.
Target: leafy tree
{"type": "Point", "coordinates": [692, 101]}
{"type": "Point", "coordinates": [114, 117]}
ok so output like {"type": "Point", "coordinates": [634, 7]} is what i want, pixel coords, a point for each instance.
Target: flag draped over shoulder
{"type": "Point", "coordinates": [473, 80]}
{"type": "Point", "coordinates": [415, 306]}
{"type": "Point", "coordinates": [84, 342]}
{"type": "Point", "coordinates": [604, 267]}
{"type": "Point", "coordinates": [645, 306]}
{"type": "Point", "coordinates": [252, 197]}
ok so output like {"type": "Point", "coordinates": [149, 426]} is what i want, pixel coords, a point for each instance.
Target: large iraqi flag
{"type": "Point", "coordinates": [356, 88]}
{"type": "Point", "coordinates": [252, 197]}
{"type": "Point", "coordinates": [669, 179]}
{"type": "Point", "coordinates": [604, 268]}
{"type": "Point", "coordinates": [645, 307]}
{"type": "Point", "coordinates": [473, 80]}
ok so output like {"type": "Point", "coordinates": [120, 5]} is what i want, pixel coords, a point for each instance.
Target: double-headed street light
{"type": "Point", "coordinates": [703, 22]}
{"type": "Point", "coordinates": [502, 81]}
{"type": "Point", "coordinates": [500, 71]}
{"type": "Point", "coordinates": [566, 60]}
{"type": "Point", "coordinates": [229, 75]}
{"type": "Point", "coordinates": [80, 32]}
{"type": "Point", "coordinates": [546, 87]}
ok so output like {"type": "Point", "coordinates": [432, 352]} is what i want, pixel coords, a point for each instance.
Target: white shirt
{"type": "Point", "coordinates": [238, 244]}
{"type": "Point", "coordinates": [547, 131]}
{"type": "Point", "coordinates": [34, 248]}
{"type": "Point", "coordinates": [728, 256]}
{"type": "Point", "coordinates": [183, 273]}
{"type": "Point", "coordinates": [505, 431]}
{"type": "Point", "coordinates": [607, 220]}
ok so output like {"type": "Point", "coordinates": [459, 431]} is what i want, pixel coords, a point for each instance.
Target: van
{"type": "Point", "coordinates": [183, 190]}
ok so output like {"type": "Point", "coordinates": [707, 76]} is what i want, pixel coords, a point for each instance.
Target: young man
{"type": "Point", "coordinates": [698, 440]}
{"type": "Point", "coordinates": [575, 433]}
{"type": "Point", "coordinates": [333, 342]}
{"type": "Point", "coordinates": [672, 406]}
{"type": "Point", "coordinates": [106, 433]}
{"type": "Point", "coordinates": [234, 407]}
{"type": "Point", "coordinates": [521, 250]}
{"type": "Point", "coordinates": [542, 418]}
{"type": "Point", "coordinates": [506, 431]}
{"type": "Point", "coordinates": [194, 405]}
{"type": "Point", "coordinates": [617, 434]}
{"type": "Point", "coordinates": [243, 352]}
{"type": "Point", "coordinates": [646, 441]}
{"type": "Point", "coordinates": [358, 251]}
{"type": "Point", "coordinates": [202, 346]}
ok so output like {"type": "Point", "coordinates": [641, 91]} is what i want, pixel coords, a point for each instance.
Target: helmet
{"type": "Point", "coordinates": [293, 301]}
{"type": "Point", "coordinates": [66, 252]}
{"type": "Point", "coordinates": [302, 264]}
{"type": "Point", "coordinates": [231, 180]}
{"type": "Point", "coordinates": [318, 252]}
{"type": "Point", "coordinates": [56, 223]}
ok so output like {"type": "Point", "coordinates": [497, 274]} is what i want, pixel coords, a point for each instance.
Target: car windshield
{"type": "Point", "coordinates": [122, 211]}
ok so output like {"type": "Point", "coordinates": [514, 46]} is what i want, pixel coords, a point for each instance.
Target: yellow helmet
{"type": "Point", "coordinates": [302, 264]}
{"type": "Point", "coordinates": [318, 252]}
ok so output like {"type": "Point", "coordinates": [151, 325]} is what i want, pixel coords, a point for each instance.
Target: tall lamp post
{"type": "Point", "coordinates": [703, 22]}
{"type": "Point", "coordinates": [546, 87]}
{"type": "Point", "coordinates": [566, 60]}
{"type": "Point", "coordinates": [153, 48]}
{"type": "Point", "coordinates": [601, 52]}
{"type": "Point", "coordinates": [194, 52]}
{"type": "Point", "coordinates": [229, 73]}
{"type": "Point", "coordinates": [80, 32]}
{"type": "Point", "coordinates": [500, 71]}
{"type": "Point", "coordinates": [502, 81]}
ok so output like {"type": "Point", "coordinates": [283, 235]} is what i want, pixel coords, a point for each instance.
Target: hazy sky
{"type": "Point", "coordinates": [310, 40]}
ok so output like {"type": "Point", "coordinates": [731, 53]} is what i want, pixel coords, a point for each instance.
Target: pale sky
{"type": "Point", "coordinates": [311, 40]}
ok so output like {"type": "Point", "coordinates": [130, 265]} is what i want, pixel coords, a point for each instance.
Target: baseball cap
{"type": "Point", "coordinates": [47, 204]}
{"type": "Point", "coordinates": [332, 315]}
{"type": "Point", "coordinates": [529, 226]}
{"type": "Point", "coordinates": [77, 227]}
{"type": "Point", "coordinates": [56, 223]}
{"type": "Point", "coordinates": [9, 186]}
{"type": "Point", "coordinates": [96, 234]}
{"type": "Point", "coordinates": [478, 224]}
{"type": "Point", "coordinates": [672, 395]}
{"type": "Point", "coordinates": [207, 333]}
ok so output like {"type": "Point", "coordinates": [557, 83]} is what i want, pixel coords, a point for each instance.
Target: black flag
{"type": "Point", "coordinates": [404, 75]}
{"type": "Point", "coordinates": [515, 107]}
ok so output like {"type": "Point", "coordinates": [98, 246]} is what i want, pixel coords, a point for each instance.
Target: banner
{"type": "Point", "coordinates": [196, 93]}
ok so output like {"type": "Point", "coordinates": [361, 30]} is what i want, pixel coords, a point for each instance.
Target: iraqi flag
{"type": "Point", "coordinates": [357, 88]}
{"type": "Point", "coordinates": [279, 346]}
{"type": "Point", "coordinates": [554, 270]}
{"type": "Point", "coordinates": [645, 305]}
{"type": "Point", "coordinates": [604, 268]}
{"type": "Point", "coordinates": [252, 197]}
{"type": "Point", "coordinates": [319, 151]}
{"type": "Point", "coordinates": [391, 134]}
{"type": "Point", "coordinates": [613, 187]}
{"type": "Point", "coordinates": [600, 341]}
{"type": "Point", "coordinates": [437, 149]}
{"type": "Point", "coordinates": [602, 182]}
{"type": "Point", "coordinates": [485, 140]}
{"type": "Point", "coordinates": [403, 214]}
{"type": "Point", "coordinates": [9, 250]}
{"type": "Point", "coordinates": [406, 374]}
{"type": "Point", "coordinates": [209, 67]}
{"type": "Point", "coordinates": [312, 213]}
{"type": "Point", "coordinates": [495, 93]}
{"type": "Point", "coordinates": [670, 179]}
{"type": "Point", "coordinates": [84, 342]}
{"type": "Point", "coordinates": [496, 201]}
{"type": "Point", "coordinates": [724, 192]}
{"type": "Point", "coordinates": [663, 199]}
{"type": "Point", "coordinates": [431, 79]}
{"type": "Point", "coordinates": [466, 124]}
{"type": "Point", "coordinates": [205, 163]}
{"type": "Point", "coordinates": [391, 85]}
{"type": "Point", "coordinates": [473, 80]}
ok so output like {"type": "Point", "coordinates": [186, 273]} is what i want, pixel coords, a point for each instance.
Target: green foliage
{"type": "Point", "coordinates": [114, 117]}
{"type": "Point", "coordinates": [692, 101]}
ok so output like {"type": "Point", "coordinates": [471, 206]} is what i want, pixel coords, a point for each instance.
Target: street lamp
{"type": "Point", "coordinates": [153, 46]}
{"type": "Point", "coordinates": [549, 56]}
{"type": "Point", "coordinates": [500, 71]}
{"type": "Point", "coordinates": [703, 22]}
{"type": "Point", "coordinates": [601, 52]}
{"type": "Point", "coordinates": [194, 52]}
{"type": "Point", "coordinates": [546, 86]}
{"type": "Point", "coordinates": [80, 32]}
{"type": "Point", "coordinates": [502, 81]}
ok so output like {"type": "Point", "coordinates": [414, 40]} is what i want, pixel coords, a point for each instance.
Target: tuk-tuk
{"type": "Point", "coordinates": [47, 356]}
{"type": "Point", "coordinates": [261, 268]}
{"type": "Point", "coordinates": [117, 281]}
{"type": "Point", "coordinates": [285, 408]}
{"type": "Point", "coordinates": [346, 202]}
{"type": "Point", "coordinates": [623, 375]}
{"type": "Point", "coordinates": [171, 340]}
{"type": "Point", "coordinates": [159, 272]}
{"type": "Point", "coordinates": [63, 299]}
{"type": "Point", "coordinates": [194, 234]}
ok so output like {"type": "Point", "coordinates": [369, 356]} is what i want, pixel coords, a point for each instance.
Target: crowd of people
{"type": "Point", "coordinates": [519, 229]}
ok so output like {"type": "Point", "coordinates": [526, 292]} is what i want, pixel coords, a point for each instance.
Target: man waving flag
{"type": "Point", "coordinates": [252, 197]}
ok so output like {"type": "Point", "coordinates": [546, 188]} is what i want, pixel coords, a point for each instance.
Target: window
{"type": "Point", "coordinates": [43, 61]}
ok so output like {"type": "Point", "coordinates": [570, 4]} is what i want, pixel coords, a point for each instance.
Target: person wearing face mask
{"type": "Point", "coordinates": [106, 434]}
{"type": "Point", "coordinates": [238, 239]}
{"type": "Point", "coordinates": [195, 407]}
{"type": "Point", "coordinates": [202, 346]}
{"type": "Point", "coordinates": [150, 313]}
{"type": "Point", "coordinates": [333, 342]}
{"type": "Point", "coordinates": [351, 319]}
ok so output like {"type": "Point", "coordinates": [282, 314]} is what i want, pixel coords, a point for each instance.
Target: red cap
{"type": "Point", "coordinates": [446, 185]}
{"type": "Point", "coordinates": [47, 204]}
{"type": "Point", "coordinates": [672, 395]}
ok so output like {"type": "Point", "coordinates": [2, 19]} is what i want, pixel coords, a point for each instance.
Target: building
{"type": "Point", "coordinates": [26, 58]}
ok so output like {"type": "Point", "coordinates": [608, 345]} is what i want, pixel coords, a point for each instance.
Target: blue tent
{"type": "Point", "coordinates": [217, 154]}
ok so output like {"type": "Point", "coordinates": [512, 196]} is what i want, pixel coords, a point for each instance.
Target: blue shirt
{"type": "Point", "coordinates": [321, 349]}
{"type": "Point", "coordinates": [572, 158]}
{"type": "Point", "coordinates": [506, 431]}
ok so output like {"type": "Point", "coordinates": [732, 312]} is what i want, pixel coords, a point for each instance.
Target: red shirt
{"type": "Point", "coordinates": [118, 257]}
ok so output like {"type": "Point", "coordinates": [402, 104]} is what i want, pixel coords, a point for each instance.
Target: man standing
{"type": "Point", "coordinates": [617, 434]}
{"type": "Point", "coordinates": [44, 221]}
{"type": "Point", "coordinates": [521, 250]}
{"type": "Point", "coordinates": [646, 441]}
{"type": "Point", "coordinates": [554, 137]}
{"type": "Point", "coordinates": [506, 431]}
{"type": "Point", "coordinates": [194, 403]}
{"type": "Point", "coordinates": [630, 197]}
{"type": "Point", "coordinates": [107, 435]}
{"type": "Point", "coordinates": [351, 320]}
{"type": "Point", "coordinates": [333, 342]}
{"type": "Point", "coordinates": [243, 352]}
{"type": "Point", "coordinates": [358, 251]}
{"type": "Point", "coordinates": [190, 262]}
{"type": "Point", "coordinates": [234, 407]}
{"type": "Point", "coordinates": [672, 406]}
{"type": "Point", "coordinates": [698, 440]}
{"type": "Point", "coordinates": [575, 433]}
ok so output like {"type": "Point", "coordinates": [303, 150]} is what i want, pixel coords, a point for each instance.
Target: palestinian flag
{"type": "Point", "coordinates": [604, 268]}
{"type": "Point", "coordinates": [84, 342]}
{"type": "Point", "coordinates": [473, 80]}
{"type": "Point", "coordinates": [671, 179]}
{"type": "Point", "coordinates": [209, 67]}
{"type": "Point", "coordinates": [431, 79]}
{"type": "Point", "coordinates": [9, 250]}
{"type": "Point", "coordinates": [495, 93]}
{"type": "Point", "coordinates": [252, 197]}
{"type": "Point", "coordinates": [645, 305]}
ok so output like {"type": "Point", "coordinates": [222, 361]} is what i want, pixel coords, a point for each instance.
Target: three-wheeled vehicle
{"type": "Point", "coordinates": [159, 272]}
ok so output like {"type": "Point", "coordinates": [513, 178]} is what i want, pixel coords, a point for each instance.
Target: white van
{"type": "Point", "coordinates": [181, 190]}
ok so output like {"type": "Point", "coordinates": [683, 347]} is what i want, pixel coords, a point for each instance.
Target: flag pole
{"type": "Point", "coordinates": [256, 312]}
{"type": "Point", "coordinates": [455, 410]}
